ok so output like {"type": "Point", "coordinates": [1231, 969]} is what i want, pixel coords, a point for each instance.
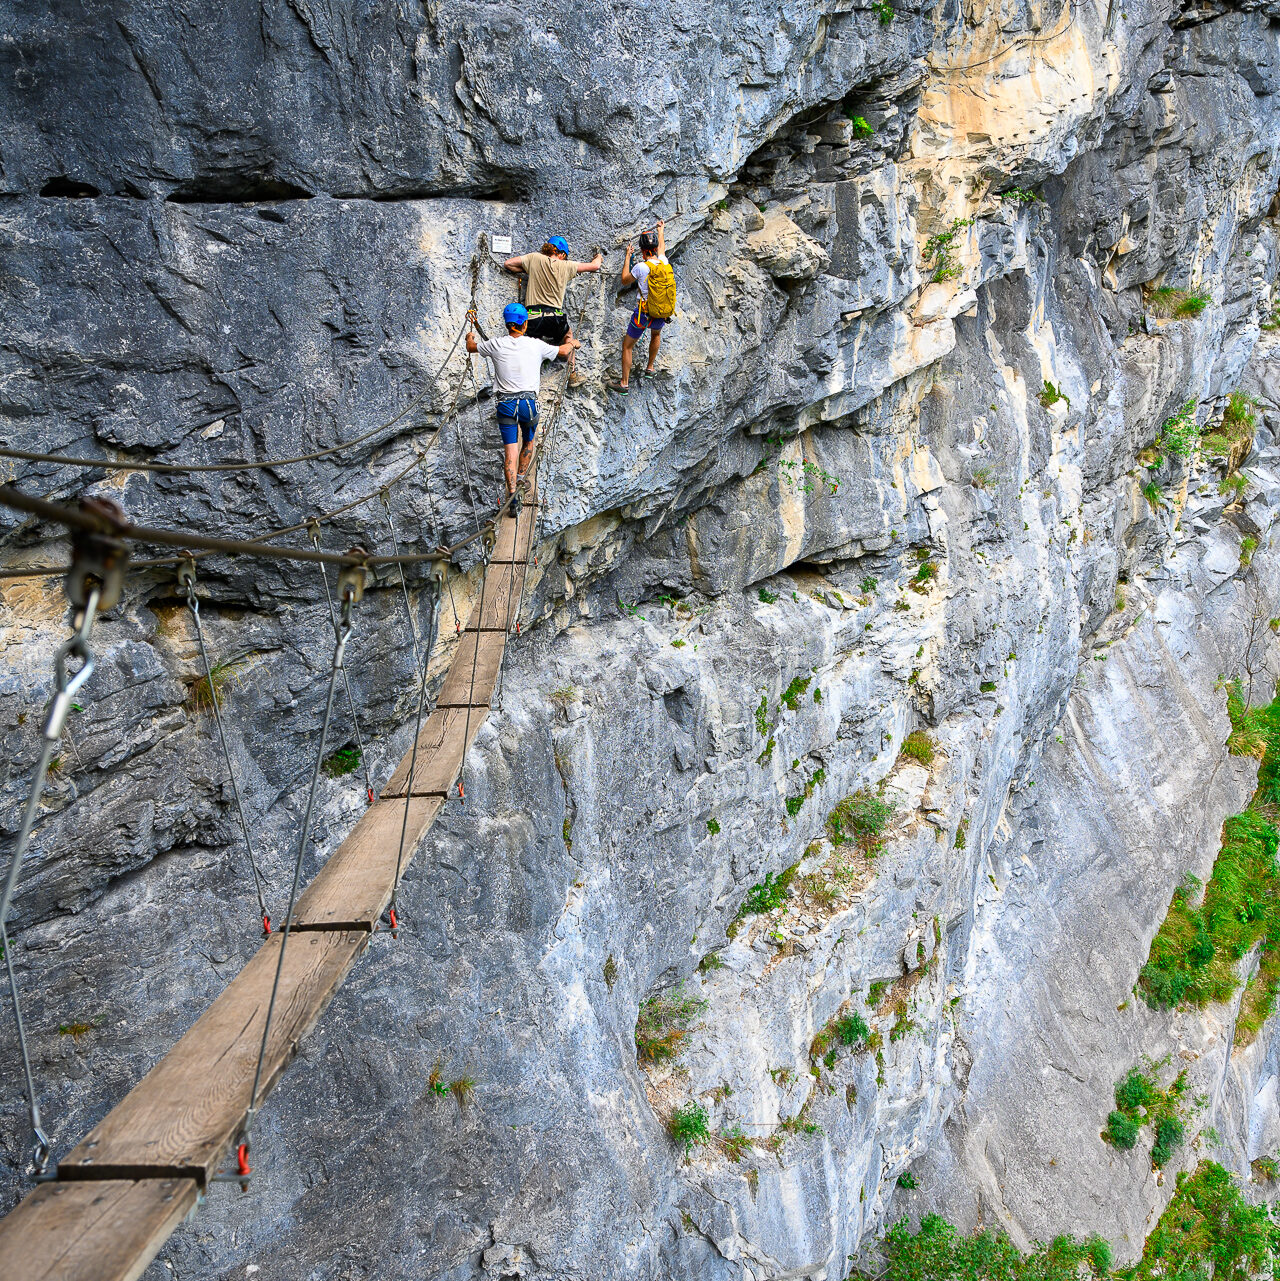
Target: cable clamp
{"type": "Point", "coordinates": [98, 556]}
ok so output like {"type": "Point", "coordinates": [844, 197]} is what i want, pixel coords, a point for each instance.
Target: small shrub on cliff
{"type": "Point", "coordinates": [791, 695]}
{"type": "Point", "coordinates": [883, 10]}
{"type": "Point", "coordinates": [662, 1023]}
{"type": "Point", "coordinates": [769, 893]}
{"type": "Point", "coordinates": [1238, 425]}
{"type": "Point", "coordinates": [918, 746]}
{"type": "Point", "coordinates": [1180, 304]}
{"type": "Point", "coordinates": [938, 250]}
{"type": "Point", "coordinates": [736, 1144]}
{"type": "Point", "coordinates": [1122, 1130]}
{"type": "Point", "coordinates": [1179, 434]}
{"type": "Point", "coordinates": [767, 597]}
{"type": "Point", "coordinates": [688, 1127]}
{"type": "Point", "coordinates": [346, 760]}
{"type": "Point", "coordinates": [861, 129]}
{"type": "Point", "coordinates": [861, 817]}
{"type": "Point", "coordinates": [1051, 395]}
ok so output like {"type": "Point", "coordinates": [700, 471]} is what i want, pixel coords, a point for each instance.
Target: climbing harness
{"type": "Point", "coordinates": [350, 591]}
{"type": "Point", "coordinates": [438, 576]}
{"type": "Point", "coordinates": [314, 531]}
{"type": "Point", "coordinates": [94, 584]}
{"type": "Point", "coordinates": [187, 581]}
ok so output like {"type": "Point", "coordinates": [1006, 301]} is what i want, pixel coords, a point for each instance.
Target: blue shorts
{"type": "Point", "coordinates": [642, 321]}
{"type": "Point", "coordinates": [517, 418]}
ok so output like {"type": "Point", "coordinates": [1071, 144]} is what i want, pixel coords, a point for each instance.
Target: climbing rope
{"type": "Point", "coordinates": [404, 586]}
{"type": "Point", "coordinates": [108, 465]}
{"type": "Point", "coordinates": [187, 581]}
{"type": "Point", "coordinates": [350, 589]}
{"type": "Point", "coordinates": [346, 681]}
{"type": "Point", "coordinates": [94, 584]}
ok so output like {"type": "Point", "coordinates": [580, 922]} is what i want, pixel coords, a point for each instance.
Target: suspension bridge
{"type": "Point", "coordinates": [105, 1209]}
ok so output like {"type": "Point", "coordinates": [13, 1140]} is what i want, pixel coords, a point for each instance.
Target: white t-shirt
{"type": "Point", "coordinates": [517, 362]}
{"type": "Point", "coordinates": [640, 270]}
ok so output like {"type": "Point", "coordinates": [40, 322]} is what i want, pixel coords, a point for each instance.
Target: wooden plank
{"type": "Point", "coordinates": [105, 1231]}
{"type": "Point", "coordinates": [457, 690]}
{"type": "Point", "coordinates": [501, 599]}
{"type": "Point", "coordinates": [440, 752]}
{"type": "Point", "coordinates": [354, 886]}
{"type": "Point", "coordinates": [183, 1116]}
{"type": "Point", "coordinates": [513, 543]}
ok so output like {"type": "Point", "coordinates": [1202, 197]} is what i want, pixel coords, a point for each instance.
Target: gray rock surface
{"type": "Point", "coordinates": [259, 237]}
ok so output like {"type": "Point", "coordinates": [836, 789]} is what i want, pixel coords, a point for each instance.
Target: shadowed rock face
{"type": "Point", "coordinates": [239, 235]}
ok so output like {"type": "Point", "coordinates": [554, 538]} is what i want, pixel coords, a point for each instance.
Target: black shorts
{"type": "Point", "coordinates": [550, 326]}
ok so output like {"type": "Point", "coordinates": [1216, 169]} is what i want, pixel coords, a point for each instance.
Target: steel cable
{"type": "Point", "coordinates": [185, 468]}
{"type": "Point", "coordinates": [187, 577]}
{"type": "Point", "coordinates": [342, 633]}
{"type": "Point", "coordinates": [67, 686]}
{"type": "Point", "coordinates": [346, 680]}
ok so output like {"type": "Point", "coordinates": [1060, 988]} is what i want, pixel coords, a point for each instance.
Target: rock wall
{"type": "Point", "coordinates": [230, 238]}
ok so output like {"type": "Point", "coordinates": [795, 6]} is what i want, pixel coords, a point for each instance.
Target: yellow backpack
{"type": "Point", "coordinates": [662, 291]}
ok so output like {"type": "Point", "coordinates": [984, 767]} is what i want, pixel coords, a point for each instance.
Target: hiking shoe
{"type": "Point", "coordinates": [576, 379]}
{"type": "Point", "coordinates": [619, 388]}
{"type": "Point", "coordinates": [513, 507]}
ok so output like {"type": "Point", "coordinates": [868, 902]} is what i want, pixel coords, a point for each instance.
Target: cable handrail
{"type": "Point", "coordinates": [67, 460]}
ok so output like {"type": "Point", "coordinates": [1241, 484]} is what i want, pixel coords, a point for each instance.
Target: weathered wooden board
{"type": "Point", "coordinates": [501, 599]}
{"type": "Point", "coordinates": [440, 752]}
{"type": "Point", "coordinates": [354, 886]}
{"type": "Point", "coordinates": [183, 1116]}
{"type": "Point", "coordinates": [106, 1231]}
{"type": "Point", "coordinates": [513, 543]}
{"type": "Point", "coordinates": [458, 689]}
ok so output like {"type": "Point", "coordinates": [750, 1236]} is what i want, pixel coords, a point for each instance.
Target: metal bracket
{"type": "Point", "coordinates": [97, 558]}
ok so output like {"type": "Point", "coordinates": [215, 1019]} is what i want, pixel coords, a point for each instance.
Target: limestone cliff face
{"type": "Point", "coordinates": [241, 236]}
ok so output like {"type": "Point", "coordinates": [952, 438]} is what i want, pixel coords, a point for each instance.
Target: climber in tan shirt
{"type": "Point", "coordinates": [549, 273]}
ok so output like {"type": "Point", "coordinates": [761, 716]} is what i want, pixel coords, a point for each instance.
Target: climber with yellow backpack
{"type": "Point", "coordinates": [656, 281]}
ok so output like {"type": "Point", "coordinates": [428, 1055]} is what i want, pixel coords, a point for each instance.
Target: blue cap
{"type": "Point", "coordinates": [514, 314]}
{"type": "Point", "coordinates": [560, 243]}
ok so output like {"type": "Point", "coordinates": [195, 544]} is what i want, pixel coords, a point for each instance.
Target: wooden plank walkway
{"type": "Point", "coordinates": [140, 1171]}
{"type": "Point", "coordinates": [106, 1231]}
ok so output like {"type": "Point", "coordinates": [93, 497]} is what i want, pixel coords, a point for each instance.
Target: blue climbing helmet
{"type": "Point", "coordinates": [560, 243]}
{"type": "Point", "coordinates": [514, 314]}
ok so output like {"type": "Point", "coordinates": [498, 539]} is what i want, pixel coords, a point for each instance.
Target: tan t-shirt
{"type": "Point", "coordinates": [548, 279]}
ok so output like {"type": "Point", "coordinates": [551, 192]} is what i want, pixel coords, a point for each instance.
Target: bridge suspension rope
{"type": "Point", "coordinates": [187, 581]}
{"type": "Point", "coordinates": [94, 585]}
{"type": "Point", "coordinates": [350, 589]}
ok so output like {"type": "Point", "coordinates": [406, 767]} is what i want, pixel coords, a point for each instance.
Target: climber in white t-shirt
{"type": "Point", "coordinates": [517, 375]}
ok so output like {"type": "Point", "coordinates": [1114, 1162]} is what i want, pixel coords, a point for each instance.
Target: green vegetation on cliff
{"type": "Point", "coordinates": [1208, 1232]}
{"type": "Point", "coordinates": [1195, 955]}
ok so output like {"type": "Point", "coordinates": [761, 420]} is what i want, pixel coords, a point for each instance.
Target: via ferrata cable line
{"type": "Point", "coordinates": [247, 547]}
{"type": "Point", "coordinates": [314, 530]}
{"type": "Point", "coordinates": [94, 584]}
{"type": "Point", "coordinates": [350, 590]}
{"type": "Point", "coordinates": [187, 581]}
{"type": "Point", "coordinates": [108, 465]}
